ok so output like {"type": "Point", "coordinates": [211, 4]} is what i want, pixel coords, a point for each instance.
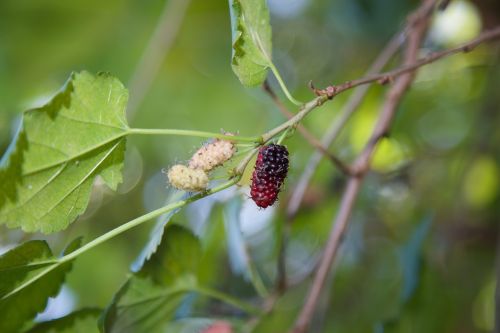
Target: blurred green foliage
{"type": "Point", "coordinates": [419, 255]}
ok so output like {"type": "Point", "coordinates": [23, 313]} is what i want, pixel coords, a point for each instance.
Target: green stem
{"type": "Point", "coordinates": [121, 229]}
{"type": "Point", "coordinates": [283, 86]}
{"type": "Point", "coordinates": [37, 264]}
{"type": "Point", "coordinates": [201, 134]}
{"type": "Point", "coordinates": [246, 145]}
{"type": "Point", "coordinates": [243, 151]}
{"type": "Point", "coordinates": [257, 282]}
{"type": "Point", "coordinates": [283, 136]}
{"type": "Point", "coordinates": [244, 162]}
{"type": "Point", "coordinates": [305, 110]}
{"type": "Point", "coordinates": [194, 288]}
{"type": "Point", "coordinates": [144, 218]}
{"type": "Point", "coordinates": [273, 68]}
{"type": "Point", "coordinates": [228, 299]}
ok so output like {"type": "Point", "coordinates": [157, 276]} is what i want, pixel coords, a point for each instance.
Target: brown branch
{"type": "Point", "coordinates": [336, 127]}
{"type": "Point", "coordinates": [325, 95]}
{"type": "Point", "coordinates": [304, 132]}
{"type": "Point", "coordinates": [389, 76]}
{"type": "Point", "coordinates": [330, 251]}
{"type": "Point", "coordinates": [298, 194]}
{"type": "Point", "coordinates": [331, 134]}
{"type": "Point", "coordinates": [340, 223]}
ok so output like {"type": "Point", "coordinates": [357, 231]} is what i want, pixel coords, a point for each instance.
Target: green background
{"type": "Point", "coordinates": [420, 253]}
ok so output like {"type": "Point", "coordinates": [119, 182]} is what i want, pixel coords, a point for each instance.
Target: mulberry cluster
{"type": "Point", "coordinates": [270, 172]}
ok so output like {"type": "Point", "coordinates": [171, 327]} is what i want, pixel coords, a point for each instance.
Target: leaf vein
{"type": "Point", "coordinates": [77, 186]}
{"type": "Point", "coordinates": [50, 147]}
{"type": "Point", "coordinates": [38, 191]}
{"type": "Point", "coordinates": [91, 122]}
{"type": "Point", "coordinates": [70, 158]}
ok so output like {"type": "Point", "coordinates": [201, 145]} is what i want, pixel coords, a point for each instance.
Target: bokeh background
{"type": "Point", "coordinates": [421, 251]}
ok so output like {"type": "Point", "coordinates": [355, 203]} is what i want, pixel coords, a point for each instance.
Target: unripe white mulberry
{"type": "Point", "coordinates": [212, 155]}
{"type": "Point", "coordinates": [187, 179]}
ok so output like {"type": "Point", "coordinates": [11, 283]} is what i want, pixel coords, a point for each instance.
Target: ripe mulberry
{"type": "Point", "coordinates": [270, 172]}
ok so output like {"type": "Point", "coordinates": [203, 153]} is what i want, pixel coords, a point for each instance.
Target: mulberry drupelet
{"type": "Point", "coordinates": [270, 172]}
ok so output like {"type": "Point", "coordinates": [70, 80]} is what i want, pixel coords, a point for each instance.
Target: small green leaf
{"type": "Point", "coordinates": [156, 234]}
{"type": "Point", "coordinates": [285, 310]}
{"type": "Point", "coordinates": [144, 306]}
{"type": "Point", "coordinates": [148, 300]}
{"type": "Point", "coordinates": [410, 255]}
{"type": "Point", "coordinates": [178, 255]}
{"type": "Point", "coordinates": [81, 321]}
{"type": "Point", "coordinates": [240, 258]}
{"type": "Point", "coordinates": [27, 262]}
{"type": "Point", "coordinates": [251, 37]}
{"type": "Point", "coordinates": [47, 173]}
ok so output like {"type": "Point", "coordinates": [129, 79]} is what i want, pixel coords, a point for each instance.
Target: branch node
{"type": "Point", "coordinates": [467, 48]}
{"type": "Point", "coordinates": [358, 169]}
{"type": "Point", "coordinates": [329, 91]}
{"type": "Point", "coordinates": [385, 80]}
{"type": "Point", "coordinates": [315, 91]}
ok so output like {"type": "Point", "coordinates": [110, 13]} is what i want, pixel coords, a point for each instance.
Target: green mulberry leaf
{"type": "Point", "coordinates": [47, 173]}
{"type": "Point", "coordinates": [148, 301]}
{"type": "Point", "coordinates": [251, 37]}
{"type": "Point", "coordinates": [27, 280]}
{"type": "Point", "coordinates": [81, 321]}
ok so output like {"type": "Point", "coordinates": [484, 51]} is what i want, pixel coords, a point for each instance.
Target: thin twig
{"type": "Point", "coordinates": [331, 248]}
{"type": "Point", "coordinates": [326, 94]}
{"type": "Point", "coordinates": [354, 102]}
{"type": "Point", "coordinates": [341, 220]}
{"type": "Point", "coordinates": [334, 131]}
{"type": "Point", "coordinates": [304, 132]}
{"type": "Point", "coordinates": [158, 47]}
{"type": "Point", "coordinates": [331, 134]}
{"type": "Point", "coordinates": [388, 77]}
{"type": "Point", "coordinates": [297, 118]}
{"type": "Point", "coordinates": [336, 127]}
